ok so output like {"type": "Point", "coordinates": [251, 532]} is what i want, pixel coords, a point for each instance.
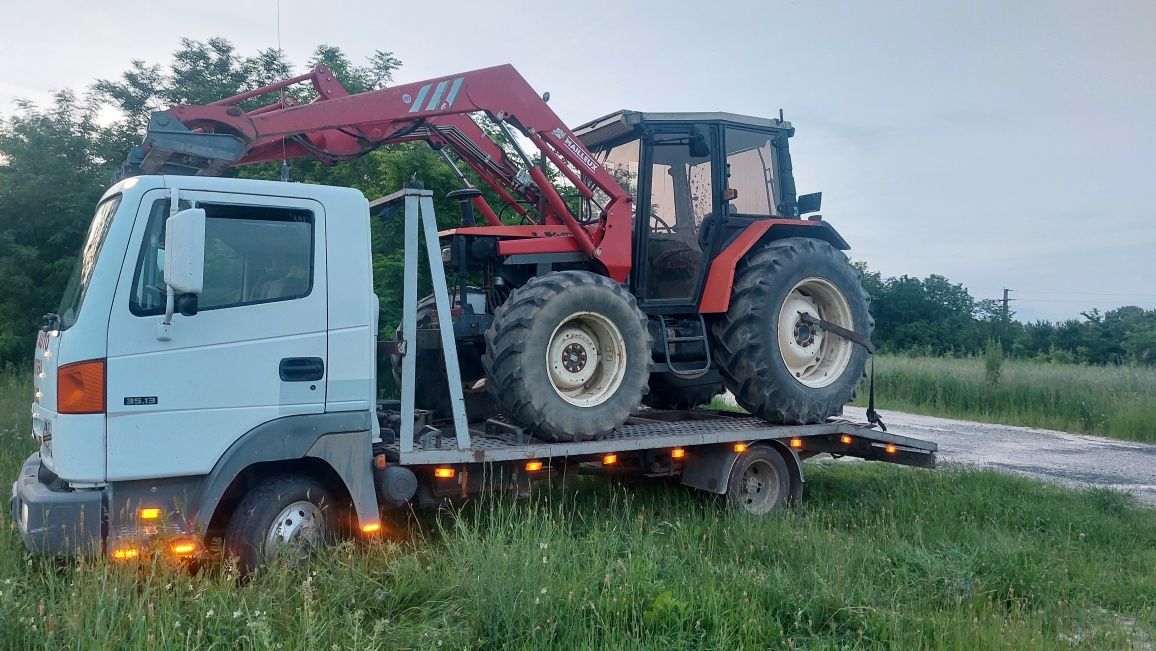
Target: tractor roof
{"type": "Point", "coordinates": [620, 123]}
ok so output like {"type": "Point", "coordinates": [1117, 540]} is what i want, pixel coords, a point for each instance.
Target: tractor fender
{"type": "Point", "coordinates": [716, 292]}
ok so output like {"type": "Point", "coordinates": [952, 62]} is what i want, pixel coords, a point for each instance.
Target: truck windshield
{"type": "Point", "coordinates": [86, 262]}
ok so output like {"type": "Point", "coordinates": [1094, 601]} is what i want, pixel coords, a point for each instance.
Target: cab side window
{"type": "Point", "coordinates": [750, 170]}
{"type": "Point", "coordinates": [253, 254]}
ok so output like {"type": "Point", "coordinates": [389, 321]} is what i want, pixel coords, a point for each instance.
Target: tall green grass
{"type": "Point", "coordinates": [1119, 402]}
{"type": "Point", "coordinates": [877, 557]}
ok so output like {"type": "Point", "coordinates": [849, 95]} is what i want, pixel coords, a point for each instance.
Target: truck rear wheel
{"type": "Point", "coordinates": [777, 366]}
{"type": "Point", "coordinates": [567, 356]}
{"type": "Point", "coordinates": [285, 517]}
{"type": "Point", "coordinates": [759, 483]}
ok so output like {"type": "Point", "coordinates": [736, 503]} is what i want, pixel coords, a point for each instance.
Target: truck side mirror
{"type": "Point", "coordinates": [185, 251]}
{"type": "Point", "coordinates": [809, 202]}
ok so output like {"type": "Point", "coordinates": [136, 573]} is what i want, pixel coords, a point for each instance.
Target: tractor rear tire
{"type": "Point", "coordinates": [567, 356]}
{"type": "Point", "coordinates": [669, 391]}
{"type": "Point", "coordinates": [433, 392]}
{"type": "Point", "coordinates": [779, 368]}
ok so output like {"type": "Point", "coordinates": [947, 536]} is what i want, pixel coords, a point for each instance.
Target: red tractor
{"type": "Point", "coordinates": [682, 266]}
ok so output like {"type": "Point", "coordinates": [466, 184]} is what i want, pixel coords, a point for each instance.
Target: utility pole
{"type": "Point", "coordinates": [1006, 312]}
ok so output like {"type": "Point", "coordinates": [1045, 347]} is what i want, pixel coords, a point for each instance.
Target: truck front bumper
{"type": "Point", "coordinates": [56, 522]}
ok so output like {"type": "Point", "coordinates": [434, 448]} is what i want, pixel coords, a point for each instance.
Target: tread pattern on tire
{"type": "Point", "coordinates": [746, 366]}
{"type": "Point", "coordinates": [239, 537]}
{"type": "Point", "coordinates": [506, 344]}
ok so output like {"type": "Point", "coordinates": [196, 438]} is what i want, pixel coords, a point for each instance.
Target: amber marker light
{"type": "Point", "coordinates": [677, 453]}
{"type": "Point", "coordinates": [149, 514]}
{"type": "Point", "coordinates": [533, 466]}
{"type": "Point", "coordinates": [610, 459]}
{"type": "Point", "coordinates": [371, 528]}
{"type": "Point", "coordinates": [891, 449]}
{"type": "Point", "coordinates": [183, 547]}
{"type": "Point", "coordinates": [845, 439]}
{"type": "Point", "coordinates": [740, 447]}
{"type": "Point", "coordinates": [443, 473]}
{"type": "Point", "coordinates": [125, 554]}
{"type": "Point", "coordinates": [796, 443]}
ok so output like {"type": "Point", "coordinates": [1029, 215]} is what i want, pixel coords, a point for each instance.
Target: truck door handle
{"type": "Point", "coordinates": [302, 369]}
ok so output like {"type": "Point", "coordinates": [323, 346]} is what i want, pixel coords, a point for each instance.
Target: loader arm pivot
{"type": "Point", "coordinates": [337, 126]}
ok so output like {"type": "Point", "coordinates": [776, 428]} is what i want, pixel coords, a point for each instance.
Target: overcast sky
{"type": "Point", "coordinates": [1001, 144]}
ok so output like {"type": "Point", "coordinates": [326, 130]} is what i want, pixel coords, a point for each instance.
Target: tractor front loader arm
{"type": "Point", "coordinates": [337, 126]}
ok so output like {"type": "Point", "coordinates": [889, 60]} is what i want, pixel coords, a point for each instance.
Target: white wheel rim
{"type": "Point", "coordinates": [816, 358]}
{"type": "Point", "coordinates": [295, 532]}
{"type": "Point", "coordinates": [586, 359]}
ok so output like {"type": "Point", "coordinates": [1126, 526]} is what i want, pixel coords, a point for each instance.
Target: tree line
{"type": "Point", "coordinates": [56, 160]}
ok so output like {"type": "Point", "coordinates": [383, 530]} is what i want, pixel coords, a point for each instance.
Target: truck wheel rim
{"type": "Point", "coordinates": [759, 487]}
{"type": "Point", "coordinates": [586, 359]}
{"type": "Point", "coordinates": [296, 531]}
{"type": "Point", "coordinates": [815, 358]}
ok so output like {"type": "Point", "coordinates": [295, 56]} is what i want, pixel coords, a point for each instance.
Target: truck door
{"type": "Point", "coordinates": [255, 351]}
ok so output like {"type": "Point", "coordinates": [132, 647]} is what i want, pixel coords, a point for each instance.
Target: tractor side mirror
{"type": "Point", "coordinates": [185, 251]}
{"type": "Point", "coordinates": [699, 147]}
{"type": "Point", "coordinates": [809, 202]}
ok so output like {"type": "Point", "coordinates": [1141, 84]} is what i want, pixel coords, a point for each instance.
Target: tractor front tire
{"type": "Point", "coordinates": [567, 356]}
{"type": "Point", "coordinates": [777, 366]}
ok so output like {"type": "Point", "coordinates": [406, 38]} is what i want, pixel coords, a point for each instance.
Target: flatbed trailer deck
{"type": "Point", "coordinates": [497, 441]}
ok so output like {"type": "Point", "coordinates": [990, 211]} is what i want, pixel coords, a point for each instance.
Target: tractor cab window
{"type": "Point", "coordinates": [621, 162]}
{"type": "Point", "coordinates": [681, 199]}
{"type": "Point", "coordinates": [750, 157]}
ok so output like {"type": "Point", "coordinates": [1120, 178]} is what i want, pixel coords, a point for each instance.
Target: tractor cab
{"type": "Point", "coordinates": [698, 180]}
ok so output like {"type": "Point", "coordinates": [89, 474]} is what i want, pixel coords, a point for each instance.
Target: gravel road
{"type": "Point", "coordinates": [1075, 460]}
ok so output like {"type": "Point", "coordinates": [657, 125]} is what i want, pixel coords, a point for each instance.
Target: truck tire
{"type": "Point", "coordinates": [433, 391]}
{"type": "Point", "coordinates": [777, 367]}
{"type": "Point", "coordinates": [760, 483]}
{"type": "Point", "coordinates": [284, 517]}
{"type": "Point", "coordinates": [669, 391]}
{"type": "Point", "coordinates": [567, 356]}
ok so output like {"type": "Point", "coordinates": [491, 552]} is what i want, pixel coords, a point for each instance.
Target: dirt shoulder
{"type": "Point", "coordinates": [1077, 460]}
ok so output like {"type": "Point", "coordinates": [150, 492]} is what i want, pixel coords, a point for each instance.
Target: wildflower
{"type": "Point", "coordinates": [543, 590]}
{"type": "Point", "coordinates": [209, 614]}
{"type": "Point", "coordinates": [543, 545]}
{"type": "Point", "coordinates": [236, 614]}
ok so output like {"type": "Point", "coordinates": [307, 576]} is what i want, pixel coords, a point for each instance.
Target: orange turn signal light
{"type": "Point", "coordinates": [740, 447]}
{"type": "Point", "coordinates": [371, 528]}
{"type": "Point", "coordinates": [533, 466]}
{"type": "Point", "coordinates": [149, 514]}
{"type": "Point", "coordinates": [610, 459]}
{"type": "Point", "coordinates": [80, 388]}
{"type": "Point", "coordinates": [845, 439]}
{"type": "Point", "coordinates": [677, 453]}
{"type": "Point", "coordinates": [891, 449]}
{"type": "Point", "coordinates": [443, 473]}
{"type": "Point", "coordinates": [797, 443]}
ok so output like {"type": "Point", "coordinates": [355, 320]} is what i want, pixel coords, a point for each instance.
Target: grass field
{"type": "Point", "coordinates": [876, 557]}
{"type": "Point", "coordinates": [1119, 402]}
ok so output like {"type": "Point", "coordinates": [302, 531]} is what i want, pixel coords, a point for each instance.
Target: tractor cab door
{"type": "Point", "coordinates": [678, 200]}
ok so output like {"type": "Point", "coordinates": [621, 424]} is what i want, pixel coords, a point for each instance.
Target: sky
{"type": "Point", "coordinates": [999, 144]}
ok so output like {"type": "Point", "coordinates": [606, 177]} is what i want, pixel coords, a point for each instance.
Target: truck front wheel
{"type": "Point", "coordinates": [285, 517]}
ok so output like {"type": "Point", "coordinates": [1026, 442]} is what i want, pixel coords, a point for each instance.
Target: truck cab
{"type": "Point", "coordinates": [161, 405]}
